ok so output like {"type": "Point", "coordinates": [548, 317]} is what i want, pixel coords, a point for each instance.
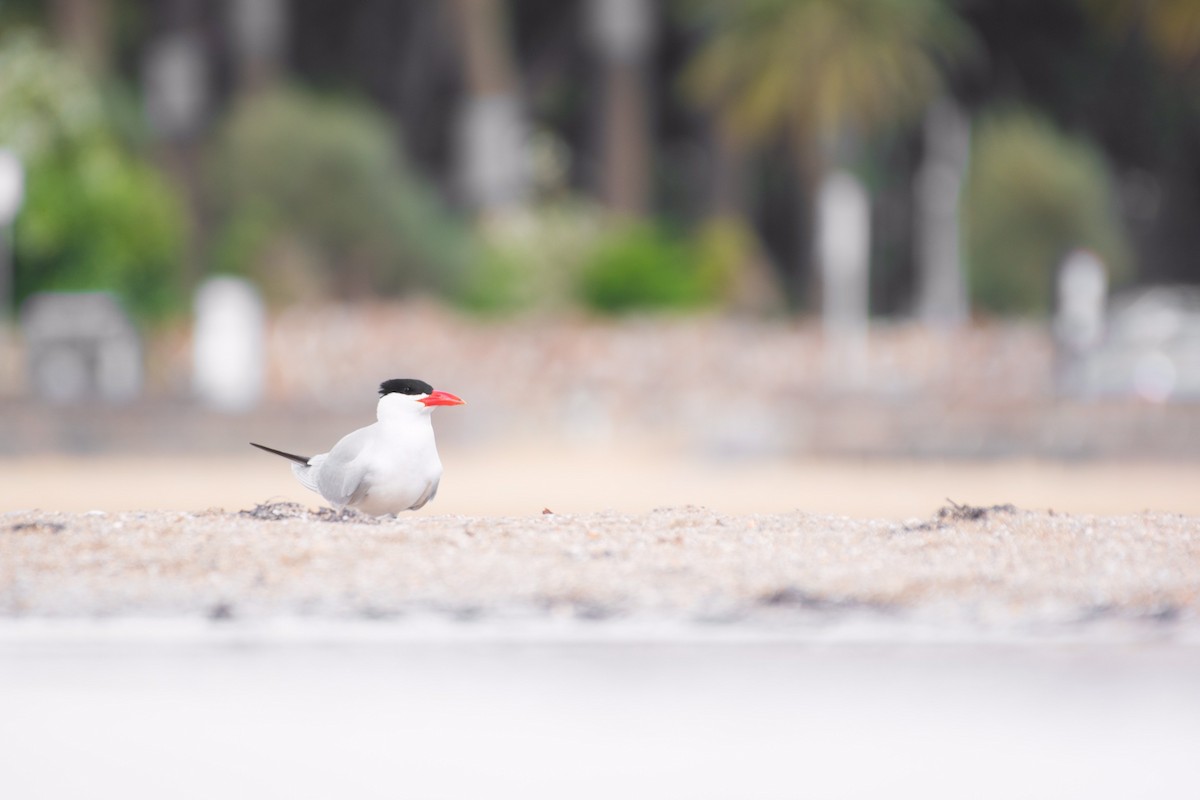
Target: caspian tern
{"type": "Point", "coordinates": [384, 468]}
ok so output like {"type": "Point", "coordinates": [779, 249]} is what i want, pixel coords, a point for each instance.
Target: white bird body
{"type": "Point", "coordinates": [387, 467]}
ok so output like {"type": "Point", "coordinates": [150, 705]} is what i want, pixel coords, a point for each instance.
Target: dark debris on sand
{"type": "Point", "coordinates": [961, 512]}
{"type": "Point", "coordinates": [38, 526]}
{"type": "Point", "coordinates": [282, 511]}
{"type": "Point", "coordinates": [967, 513]}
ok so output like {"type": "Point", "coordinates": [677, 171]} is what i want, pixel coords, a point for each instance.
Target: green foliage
{"type": "Point", "coordinates": [101, 220]}
{"type": "Point", "coordinates": [324, 174]}
{"type": "Point", "coordinates": [1033, 195]}
{"type": "Point", "coordinates": [496, 285]}
{"type": "Point", "coordinates": [722, 246]}
{"type": "Point", "coordinates": [533, 258]}
{"type": "Point", "coordinates": [556, 255]}
{"type": "Point", "coordinates": [641, 267]}
{"type": "Point", "coordinates": [95, 216]}
{"type": "Point", "coordinates": [46, 101]}
{"type": "Point", "coordinates": [1172, 27]}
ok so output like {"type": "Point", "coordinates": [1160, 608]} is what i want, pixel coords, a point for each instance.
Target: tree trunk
{"type": "Point", "coordinates": [177, 87]}
{"type": "Point", "coordinates": [755, 285]}
{"type": "Point", "coordinates": [622, 32]}
{"type": "Point", "coordinates": [258, 31]}
{"type": "Point", "coordinates": [82, 27]}
{"type": "Point", "coordinates": [491, 129]}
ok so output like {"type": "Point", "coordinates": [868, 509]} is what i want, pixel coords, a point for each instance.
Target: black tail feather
{"type": "Point", "coordinates": [289, 456]}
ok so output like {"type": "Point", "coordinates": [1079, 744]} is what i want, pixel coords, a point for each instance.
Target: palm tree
{"type": "Point", "coordinates": [1172, 27]}
{"type": "Point", "coordinates": [818, 72]}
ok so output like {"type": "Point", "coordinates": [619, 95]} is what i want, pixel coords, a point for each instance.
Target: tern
{"type": "Point", "coordinates": [384, 468]}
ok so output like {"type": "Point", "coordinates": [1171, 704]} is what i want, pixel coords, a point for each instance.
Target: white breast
{"type": "Point", "coordinates": [402, 468]}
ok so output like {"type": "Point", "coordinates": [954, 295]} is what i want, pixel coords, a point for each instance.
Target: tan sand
{"type": "Point", "coordinates": [970, 566]}
{"type": "Point", "coordinates": [503, 478]}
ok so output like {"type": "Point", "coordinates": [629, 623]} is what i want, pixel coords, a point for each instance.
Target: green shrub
{"type": "Point", "coordinates": [101, 220]}
{"type": "Point", "coordinates": [642, 267]}
{"type": "Point", "coordinates": [1033, 195]}
{"type": "Point", "coordinates": [95, 217]}
{"type": "Point", "coordinates": [533, 258]}
{"type": "Point", "coordinates": [325, 174]}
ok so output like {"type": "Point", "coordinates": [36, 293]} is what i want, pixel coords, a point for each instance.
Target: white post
{"type": "Point", "coordinates": [12, 194]}
{"type": "Point", "coordinates": [228, 346]}
{"type": "Point", "coordinates": [176, 81]}
{"type": "Point", "coordinates": [942, 291]}
{"type": "Point", "coordinates": [1082, 293]}
{"type": "Point", "coordinates": [491, 144]}
{"type": "Point", "coordinates": [1079, 321]}
{"type": "Point", "coordinates": [843, 253]}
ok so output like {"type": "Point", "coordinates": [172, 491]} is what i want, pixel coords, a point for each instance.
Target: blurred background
{"type": "Point", "coordinates": [849, 256]}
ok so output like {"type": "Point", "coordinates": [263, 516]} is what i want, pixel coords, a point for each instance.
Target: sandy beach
{"type": "Point", "coordinates": [514, 479]}
{"type": "Point", "coordinates": [682, 652]}
{"type": "Point", "coordinates": [979, 566]}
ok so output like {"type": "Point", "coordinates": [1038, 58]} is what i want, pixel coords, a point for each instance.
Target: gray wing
{"type": "Point", "coordinates": [430, 493]}
{"type": "Point", "coordinates": [342, 477]}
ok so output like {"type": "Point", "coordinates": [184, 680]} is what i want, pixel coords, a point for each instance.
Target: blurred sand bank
{"type": "Point", "coordinates": [525, 478]}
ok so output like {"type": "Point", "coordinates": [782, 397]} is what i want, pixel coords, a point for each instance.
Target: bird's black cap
{"type": "Point", "coordinates": [404, 386]}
